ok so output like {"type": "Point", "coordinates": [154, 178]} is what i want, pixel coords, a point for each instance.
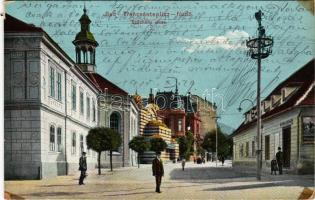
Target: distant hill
{"type": "Point", "coordinates": [225, 128]}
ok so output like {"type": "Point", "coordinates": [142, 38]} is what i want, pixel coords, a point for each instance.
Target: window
{"type": "Point", "coordinates": [52, 82]}
{"type": "Point", "coordinates": [114, 121]}
{"type": "Point", "coordinates": [81, 144]}
{"type": "Point", "coordinates": [59, 145]}
{"type": "Point", "coordinates": [180, 124]}
{"type": "Point", "coordinates": [283, 95]}
{"type": "Point", "coordinates": [74, 143]}
{"type": "Point", "coordinates": [267, 147]}
{"type": "Point", "coordinates": [74, 96]}
{"type": "Point", "coordinates": [253, 149]}
{"type": "Point", "coordinates": [94, 110]}
{"type": "Point", "coordinates": [241, 150]}
{"type": "Point", "coordinates": [81, 102]}
{"type": "Point", "coordinates": [59, 86]}
{"type": "Point", "coordinates": [88, 113]}
{"type": "Point", "coordinates": [88, 149]}
{"type": "Point", "coordinates": [308, 129]}
{"type": "Point", "coordinates": [52, 138]}
{"type": "Point", "coordinates": [247, 149]}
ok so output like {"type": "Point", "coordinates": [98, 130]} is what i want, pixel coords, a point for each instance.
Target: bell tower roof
{"type": "Point", "coordinates": [85, 45]}
{"type": "Point", "coordinates": [85, 35]}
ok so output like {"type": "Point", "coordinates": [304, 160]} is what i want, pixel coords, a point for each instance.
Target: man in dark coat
{"type": "Point", "coordinates": [222, 159]}
{"type": "Point", "coordinates": [279, 157]}
{"type": "Point", "coordinates": [158, 171]}
{"type": "Point", "coordinates": [82, 168]}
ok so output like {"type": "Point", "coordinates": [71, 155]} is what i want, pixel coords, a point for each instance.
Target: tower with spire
{"type": "Point", "coordinates": [85, 45]}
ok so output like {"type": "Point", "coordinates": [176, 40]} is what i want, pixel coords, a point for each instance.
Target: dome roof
{"type": "Point", "coordinates": [85, 35]}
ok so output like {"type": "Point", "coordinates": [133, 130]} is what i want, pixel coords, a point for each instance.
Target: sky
{"type": "Point", "coordinates": [201, 43]}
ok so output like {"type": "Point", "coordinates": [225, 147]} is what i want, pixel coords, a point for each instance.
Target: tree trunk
{"type": "Point", "coordinates": [111, 161]}
{"type": "Point", "coordinates": [138, 160]}
{"type": "Point", "coordinates": [99, 162]}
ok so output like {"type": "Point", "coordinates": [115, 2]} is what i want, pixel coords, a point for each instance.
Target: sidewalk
{"type": "Point", "coordinates": [198, 181]}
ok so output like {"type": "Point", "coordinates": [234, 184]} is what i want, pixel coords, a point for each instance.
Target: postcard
{"type": "Point", "coordinates": [158, 100]}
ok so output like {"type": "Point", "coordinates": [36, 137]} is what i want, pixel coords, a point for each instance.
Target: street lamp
{"type": "Point", "coordinates": [240, 106]}
{"type": "Point", "coordinates": [259, 48]}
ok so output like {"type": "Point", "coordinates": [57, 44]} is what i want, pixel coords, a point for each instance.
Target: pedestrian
{"type": "Point", "coordinates": [82, 168]}
{"type": "Point", "coordinates": [158, 171]}
{"type": "Point", "coordinates": [194, 160]}
{"type": "Point", "coordinates": [183, 163]}
{"type": "Point", "coordinates": [274, 166]}
{"type": "Point", "coordinates": [279, 157]}
{"type": "Point", "coordinates": [222, 159]}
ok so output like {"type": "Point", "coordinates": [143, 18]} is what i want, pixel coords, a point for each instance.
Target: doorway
{"type": "Point", "coordinates": [286, 144]}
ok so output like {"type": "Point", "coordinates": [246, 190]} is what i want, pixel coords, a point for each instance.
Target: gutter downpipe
{"type": "Point", "coordinates": [298, 140]}
{"type": "Point", "coordinates": [66, 115]}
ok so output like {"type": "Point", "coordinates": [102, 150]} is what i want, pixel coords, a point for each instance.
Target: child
{"type": "Point", "coordinates": [274, 166]}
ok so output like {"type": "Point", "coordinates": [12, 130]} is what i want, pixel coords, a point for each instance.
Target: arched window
{"type": "Point", "coordinates": [81, 144]}
{"type": "Point", "coordinates": [59, 144]}
{"type": "Point", "coordinates": [74, 143]}
{"type": "Point", "coordinates": [115, 121]}
{"type": "Point", "coordinates": [52, 138]}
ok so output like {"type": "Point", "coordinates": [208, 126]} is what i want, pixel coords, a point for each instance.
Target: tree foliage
{"type": "Point", "coordinates": [157, 145]}
{"type": "Point", "coordinates": [225, 143]}
{"type": "Point", "coordinates": [103, 139]}
{"type": "Point", "coordinates": [96, 141]}
{"type": "Point", "coordinates": [139, 144]}
{"type": "Point", "coordinates": [186, 145]}
{"type": "Point", "coordinates": [112, 143]}
{"type": "Point", "coordinates": [182, 145]}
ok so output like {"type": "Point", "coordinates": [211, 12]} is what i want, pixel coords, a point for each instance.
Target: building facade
{"type": "Point", "coordinates": [287, 122]}
{"type": "Point", "coordinates": [152, 126]}
{"type": "Point", "coordinates": [207, 115]}
{"type": "Point", "coordinates": [50, 105]}
{"type": "Point", "coordinates": [117, 108]}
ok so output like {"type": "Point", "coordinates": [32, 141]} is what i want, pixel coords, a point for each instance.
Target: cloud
{"type": "Point", "coordinates": [232, 40]}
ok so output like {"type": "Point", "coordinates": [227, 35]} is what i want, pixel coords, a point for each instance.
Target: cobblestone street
{"type": "Point", "coordinates": [203, 181]}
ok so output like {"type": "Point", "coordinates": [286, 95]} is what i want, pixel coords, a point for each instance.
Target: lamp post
{"type": "Point", "coordinates": [259, 48]}
{"type": "Point", "coordinates": [216, 141]}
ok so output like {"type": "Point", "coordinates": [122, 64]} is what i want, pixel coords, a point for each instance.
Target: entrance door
{"type": "Point", "coordinates": [286, 144]}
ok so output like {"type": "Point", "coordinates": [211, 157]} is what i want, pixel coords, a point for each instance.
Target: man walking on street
{"type": "Point", "coordinates": [222, 159]}
{"type": "Point", "coordinates": [82, 168]}
{"type": "Point", "coordinates": [183, 163]}
{"type": "Point", "coordinates": [279, 157]}
{"type": "Point", "coordinates": [158, 171]}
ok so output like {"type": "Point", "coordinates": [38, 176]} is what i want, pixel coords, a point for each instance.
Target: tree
{"type": "Point", "coordinates": [96, 141]}
{"type": "Point", "coordinates": [208, 142]}
{"type": "Point", "coordinates": [182, 145]}
{"type": "Point", "coordinates": [139, 144]}
{"type": "Point", "coordinates": [186, 145]}
{"type": "Point", "coordinates": [225, 143]}
{"type": "Point", "coordinates": [157, 144]}
{"type": "Point", "coordinates": [112, 143]}
{"type": "Point", "coordinates": [190, 144]}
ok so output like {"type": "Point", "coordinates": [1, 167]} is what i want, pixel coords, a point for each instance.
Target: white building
{"type": "Point", "coordinates": [117, 109]}
{"type": "Point", "coordinates": [288, 117]}
{"type": "Point", "coordinates": [50, 105]}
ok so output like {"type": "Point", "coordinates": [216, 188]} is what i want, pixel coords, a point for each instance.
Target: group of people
{"type": "Point", "coordinates": [158, 170]}
{"type": "Point", "coordinates": [277, 162]}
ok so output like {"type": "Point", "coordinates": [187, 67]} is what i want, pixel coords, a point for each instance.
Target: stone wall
{"type": "Point", "coordinates": [22, 153]}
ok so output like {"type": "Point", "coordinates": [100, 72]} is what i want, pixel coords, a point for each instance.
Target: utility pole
{"type": "Point", "coordinates": [216, 141]}
{"type": "Point", "coordinates": [259, 48]}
